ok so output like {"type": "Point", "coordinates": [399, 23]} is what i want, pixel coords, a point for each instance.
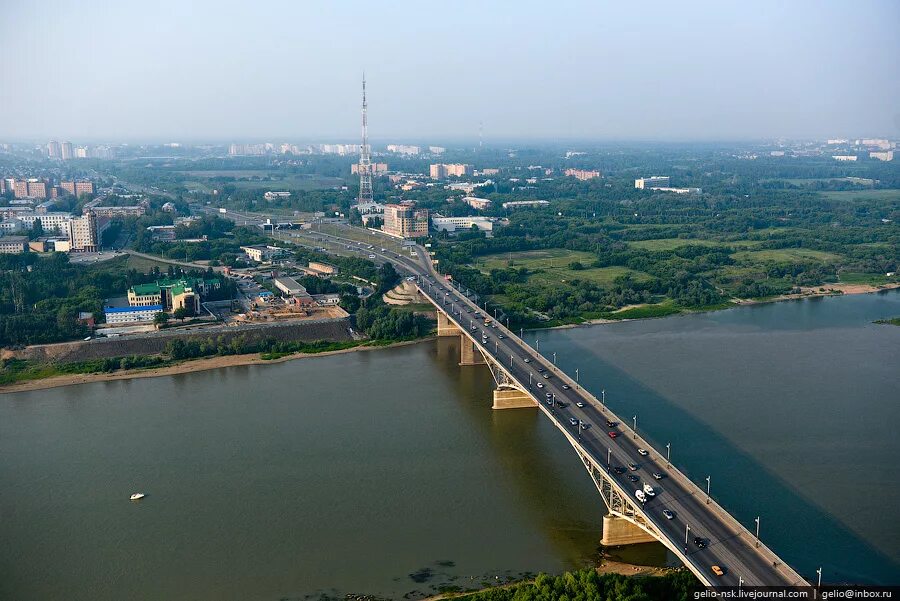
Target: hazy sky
{"type": "Point", "coordinates": [192, 70]}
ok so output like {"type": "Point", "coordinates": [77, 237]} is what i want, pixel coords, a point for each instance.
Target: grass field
{"type": "Point", "coordinates": [551, 266]}
{"type": "Point", "coordinates": [863, 195]}
{"type": "Point", "coordinates": [873, 279]}
{"type": "Point", "coordinates": [673, 243]}
{"type": "Point", "coordinates": [271, 180]}
{"type": "Point", "coordinates": [784, 255]}
{"type": "Point", "coordinates": [144, 265]}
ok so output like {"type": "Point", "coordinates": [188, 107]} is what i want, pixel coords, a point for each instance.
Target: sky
{"type": "Point", "coordinates": [218, 70]}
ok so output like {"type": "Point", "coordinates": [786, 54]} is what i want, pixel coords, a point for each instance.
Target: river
{"type": "Point", "coordinates": [387, 472]}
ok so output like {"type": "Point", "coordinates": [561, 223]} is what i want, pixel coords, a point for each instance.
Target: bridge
{"type": "Point", "coordinates": [524, 379]}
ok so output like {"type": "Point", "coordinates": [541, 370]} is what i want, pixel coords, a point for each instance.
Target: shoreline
{"type": "Point", "coordinates": [217, 362]}
{"type": "Point", "coordinates": [808, 292]}
{"type": "Point", "coordinates": [188, 366]}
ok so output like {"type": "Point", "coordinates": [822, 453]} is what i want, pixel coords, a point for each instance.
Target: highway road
{"type": "Point", "coordinates": [726, 543]}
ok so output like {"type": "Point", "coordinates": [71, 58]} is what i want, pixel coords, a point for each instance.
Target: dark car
{"type": "Point", "coordinates": [562, 404]}
{"type": "Point", "coordinates": [619, 469]}
{"type": "Point", "coordinates": [700, 542]}
{"type": "Point", "coordinates": [611, 424]}
{"type": "Point", "coordinates": [633, 478]}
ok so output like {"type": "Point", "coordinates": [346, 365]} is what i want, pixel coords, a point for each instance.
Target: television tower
{"type": "Point", "coordinates": [365, 161]}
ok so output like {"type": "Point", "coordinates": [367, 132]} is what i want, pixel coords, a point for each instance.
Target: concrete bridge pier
{"type": "Point", "coordinates": [505, 398]}
{"type": "Point", "coordinates": [619, 531]}
{"type": "Point", "coordinates": [468, 354]}
{"type": "Point", "coordinates": [445, 327]}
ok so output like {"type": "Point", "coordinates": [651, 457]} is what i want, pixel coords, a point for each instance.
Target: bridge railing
{"type": "Point", "coordinates": [724, 515]}
{"type": "Point", "coordinates": [673, 472]}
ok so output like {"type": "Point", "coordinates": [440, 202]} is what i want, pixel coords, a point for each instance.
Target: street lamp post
{"type": "Point", "coordinates": [554, 358]}
{"type": "Point", "coordinates": [740, 581]}
{"type": "Point", "coordinates": [668, 454]}
{"type": "Point", "coordinates": [608, 456]}
{"type": "Point", "coordinates": [496, 347]}
{"type": "Point", "coordinates": [529, 378]}
{"type": "Point", "coordinates": [819, 572]}
{"type": "Point", "coordinates": [538, 345]}
{"type": "Point", "coordinates": [634, 429]}
{"type": "Point", "coordinates": [687, 530]}
{"type": "Point", "coordinates": [603, 399]}
{"type": "Point", "coordinates": [757, 531]}
{"type": "Point", "coordinates": [707, 490]}
{"type": "Point", "coordinates": [510, 360]}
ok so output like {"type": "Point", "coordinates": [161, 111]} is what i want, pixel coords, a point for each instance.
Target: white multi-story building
{"type": "Point", "coordinates": [844, 157]}
{"type": "Point", "coordinates": [452, 224]}
{"type": "Point", "coordinates": [120, 315]}
{"type": "Point", "coordinates": [403, 149]}
{"type": "Point", "coordinates": [519, 204]}
{"type": "Point", "coordinates": [887, 155]}
{"type": "Point", "coordinates": [83, 234]}
{"type": "Point", "coordinates": [49, 221]}
{"type": "Point", "coordinates": [657, 181]}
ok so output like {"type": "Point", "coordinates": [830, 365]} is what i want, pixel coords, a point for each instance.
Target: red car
{"type": "Point", "coordinates": [613, 434]}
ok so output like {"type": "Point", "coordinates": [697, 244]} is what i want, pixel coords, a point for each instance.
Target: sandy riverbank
{"type": "Point", "coordinates": [181, 368]}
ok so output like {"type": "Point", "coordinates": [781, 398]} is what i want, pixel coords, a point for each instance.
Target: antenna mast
{"type": "Point", "coordinates": [365, 161]}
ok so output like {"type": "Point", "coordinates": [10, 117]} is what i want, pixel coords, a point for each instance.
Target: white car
{"type": "Point", "coordinates": [540, 384]}
{"type": "Point", "coordinates": [579, 404]}
{"type": "Point", "coordinates": [643, 452]}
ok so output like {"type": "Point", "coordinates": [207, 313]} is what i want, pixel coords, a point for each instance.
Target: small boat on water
{"type": "Point", "coordinates": [136, 496]}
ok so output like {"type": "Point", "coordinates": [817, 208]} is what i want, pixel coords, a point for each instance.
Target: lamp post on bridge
{"type": "Point", "coordinates": [510, 360]}
{"type": "Point", "coordinates": [707, 490]}
{"type": "Point", "coordinates": [668, 454]}
{"type": "Point", "coordinates": [740, 581]}
{"type": "Point", "coordinates": [554, 359]}
{"type": "Point", "coordinates": [529, 379]}
{"type": "Point", "coordinates": [757, 531]}
{"type": "Point", "coordinates": [634, 429]}
{"type": "Point", "coordinates": [687, 530]}
{"type": "Point", "coordinates": [608, 457]}
{"type": "Point", "coordinates": [496, 347]}
{"type": "Point", "coordinates": [576, 377]}
{"type": "Point", "coordinates": [538, 345]}
{"type": "Point", "coordinates": [819, 572]}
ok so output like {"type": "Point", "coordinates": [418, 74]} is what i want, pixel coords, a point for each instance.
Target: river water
{"type": "Point", "coordinates": [386, 472]}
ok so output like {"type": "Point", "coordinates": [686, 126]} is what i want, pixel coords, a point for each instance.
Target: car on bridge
{"type": "Point", "coordinates": [643, 452]}
{"type": "Point", "coordinates": [613, 434]}
{"type": "Point", "coordinates": [657, 476]}
{"type": "Point", "coordinates": [562, 404]}
{"type": "Point", "coordinates": [633, 467]}
{"type": "Point", "coordinates": [578, 404]}
{"type": "Point", "coordinates": [573, 421]}
{"type": "Point", "coordinates": [540, 384]}
{"type": "Point", "coordinates": [566, 387]}
{"type": "Point", "coordinates": [585, 426]}
{"type": "Point", "coordinates": [670, 515]}
{"type": "Point", "coordinates": [619, 469]}
{"type": "Point", "coordinates": [633, 478]}
{"type": "Point", "coordinates": [717, 570]}
{"type": "Point", "coordinates": [700, 542]}
{"type": "Point", "coordinates": [527, 360]}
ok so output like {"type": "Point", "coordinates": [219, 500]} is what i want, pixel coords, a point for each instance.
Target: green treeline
{"type": "Point", "coordinates": [588, 585]}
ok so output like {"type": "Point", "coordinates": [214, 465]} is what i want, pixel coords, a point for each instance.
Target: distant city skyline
{"type": "Point", "coordinates": [230, 72]}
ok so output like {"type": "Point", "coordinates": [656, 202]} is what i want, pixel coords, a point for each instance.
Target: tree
{"type": "Point", "coordinates": [37, 230]}
{"type": "Point", "coordinates": [160, 318]}
{"type": "Point", "coordinates": [180, 313]}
